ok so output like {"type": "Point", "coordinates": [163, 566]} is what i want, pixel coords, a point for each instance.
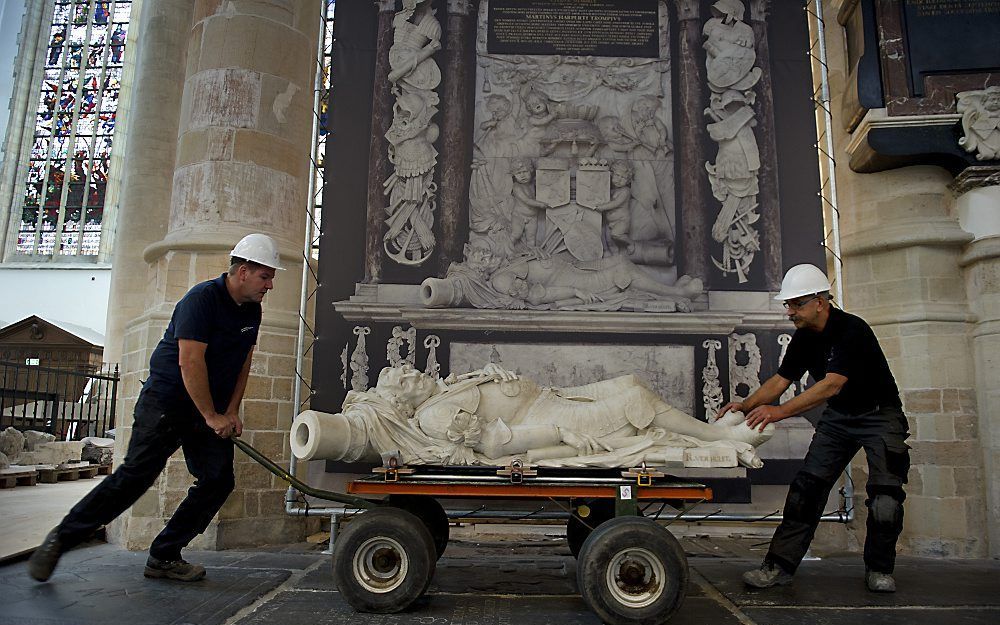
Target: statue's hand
{"type": "Point", "coordinates": [587, 297]}
{"type": "Point", "coordinates": [583, 443]}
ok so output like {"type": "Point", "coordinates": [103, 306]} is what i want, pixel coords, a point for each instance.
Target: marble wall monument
{"type": "Point", "coordinates": [548, 185]}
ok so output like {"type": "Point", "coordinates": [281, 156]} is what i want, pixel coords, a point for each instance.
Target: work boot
{"type": "Point", "coordinates": [173, 569]}
{"type": "Point", "coordinates": [880, 582]}
{"type": "Point", "coordinates": [769, 574]}
{"type": "Point", "coordinates": [45, 557]}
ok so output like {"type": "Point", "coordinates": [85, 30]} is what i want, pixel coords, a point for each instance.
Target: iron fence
{"type": "Point", "coordinates": [68, 403]}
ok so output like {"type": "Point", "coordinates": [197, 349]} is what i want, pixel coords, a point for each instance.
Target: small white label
{"type": "Point", "coordinates": [625, 492]}
{"type": "Point", "coordinates": [31, 362]}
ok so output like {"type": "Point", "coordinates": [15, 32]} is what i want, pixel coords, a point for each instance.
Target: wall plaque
{"type": "Point", "coordinates": [574, 27]}
{"type": "Point", "coordinates": [950, 37]}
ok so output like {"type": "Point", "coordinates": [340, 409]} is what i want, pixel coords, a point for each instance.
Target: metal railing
{"type": "Point", "coordinates": [68, 403]}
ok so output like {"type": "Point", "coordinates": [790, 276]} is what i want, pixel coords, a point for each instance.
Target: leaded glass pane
{"type": "Point", "coordinates": [67, 170]}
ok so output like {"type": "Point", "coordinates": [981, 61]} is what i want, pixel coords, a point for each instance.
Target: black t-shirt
{"type": "Point", "coordinates": [846, 346]}
{"type": "Point", "coordinates": [208, 314]}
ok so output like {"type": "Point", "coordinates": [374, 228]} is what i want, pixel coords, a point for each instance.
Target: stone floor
{"type": "Point", "coordinates": [29, 512]}
{"type": "Point", "coordinates": [486, 581]}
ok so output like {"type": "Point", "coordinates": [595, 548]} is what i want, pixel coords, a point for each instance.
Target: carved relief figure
{"type": "Point", "coordinates": [981, 122]}
{"type": "Point", "coordinates": [524, 217]}
{"type": "Point", "coordinates": [411, 189]}
{"type": "Point", "coordinates": [616, 210]}
{"type": "Point", "coordinates": [730, 59]}
{"type": "Point", "coordinates": [491, 415]}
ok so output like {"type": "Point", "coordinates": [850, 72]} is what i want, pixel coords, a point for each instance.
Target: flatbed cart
{"type": "Point", "coordinates": [630, 569]}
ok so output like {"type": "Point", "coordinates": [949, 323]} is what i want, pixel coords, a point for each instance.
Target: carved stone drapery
{"type": "Point", "coordinates": [734, 175]}
{"type": "Point", "coordinates": [433, 368]}
{"type": "Point", "coordinates": [456, 138]}
{"type": "Point", "coordinates": [711, 389]}
{"type": "Point", "coordinates": [378, 156]}
{"type": "Point", "coordinates": [783, 341]}
{"type": "Point", "coordinates": [359, 360]}
{"type": "Point", "coordinates": [747, 374]}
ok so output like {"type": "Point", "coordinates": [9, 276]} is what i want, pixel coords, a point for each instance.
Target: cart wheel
{"type": "Point", "coordinates": [578, 529]}
{"type": "Point", "coordinates": [383, 561]}
{"type": "Point", "coordinates": [428, 510]}
{"type": "Point", "coordinates": [630, 572]}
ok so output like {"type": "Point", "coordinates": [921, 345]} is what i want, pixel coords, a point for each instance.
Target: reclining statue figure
{"type": "Point", "coordinates": [491, 416]}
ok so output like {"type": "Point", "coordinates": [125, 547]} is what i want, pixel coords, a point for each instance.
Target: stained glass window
{"type": "Point", "coordinates": [323, 122]}
{"type": "Point", "coordinates": [63, 208]}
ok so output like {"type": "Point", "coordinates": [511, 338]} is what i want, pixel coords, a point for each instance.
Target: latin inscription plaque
{"type": "Point", "coordinates": [574, 27]}
{"type": "Point", "coordinates": [951, 37]}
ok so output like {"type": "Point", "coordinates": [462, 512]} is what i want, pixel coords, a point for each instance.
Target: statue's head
{"type": "Point", "coordinates": [479, 255]}
{"type": "Point", "coordinates": [733, 9]}
{"type": "Point", "coordinates": [405, 386]}
{"type": "Point", "coordinates": [498, 106]}
{"type": "Point", "coordinates": [621, 173]}
{"type": "Point", "coordinates": [536, 103]}
{"type": "Point", "coordinates": [991, 102]}
{"type": "Point", "coordinates": [521, 169]}
{"type": "Point", "coordinates": [645, 107]}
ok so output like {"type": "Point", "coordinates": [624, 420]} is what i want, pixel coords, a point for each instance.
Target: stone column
{"type": "Point", "coordinates": [29, 69]}
{"type": "Point", "coordinates": [456, 133]}
{"type": "Point", "coordinates": [378, 147]}
{"type": "Point", "coordinates": [695, 218]}
{"type": "Point", "coordinates": [977, 205]}
{"type": "Point", "coordinates": [150, 144]}
{"type": "Point", "coordinates": [242, 165]}
{"type": "Point", "coordinates": [770, 203]}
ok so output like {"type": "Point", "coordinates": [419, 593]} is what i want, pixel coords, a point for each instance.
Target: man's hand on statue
{"type": "Point", "coordinates": [220, 424]}
{"type": "Point", "coordinates": [584, 443]}
{"type": "Point", "coordinates": [762, 415]}
{"type": "Point", "coordinates": [733, 405]}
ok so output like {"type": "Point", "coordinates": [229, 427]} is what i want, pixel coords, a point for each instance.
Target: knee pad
{"type": "Point", "coordinates": [885, 509]}
{"type": "Point", "coordinates": [806, 494]}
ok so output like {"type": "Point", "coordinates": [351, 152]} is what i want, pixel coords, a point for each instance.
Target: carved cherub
{"type": "Point", "coordinates": [526, 207]}
{"type": "Point", "coordinates": [615, 210]}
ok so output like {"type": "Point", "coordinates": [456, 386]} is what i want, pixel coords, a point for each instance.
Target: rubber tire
{"type": "Point", "coordinates": [418, 548]}
{"type": "Point", "coordinates": [430, 512]}
{"type": "Point", "coordinates": [577, 529]}
{"type": "Point", "coordinates": [604, 544]}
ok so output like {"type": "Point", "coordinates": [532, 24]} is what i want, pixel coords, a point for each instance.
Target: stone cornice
{"type": "Point", "coordinates": [975, 177]}
{"type": "Point", "coordinates": [560, 321]}
{"type": "Point", "coordinates": [986, 248]}
{"type": "Point", "coordinates": [934, 232]}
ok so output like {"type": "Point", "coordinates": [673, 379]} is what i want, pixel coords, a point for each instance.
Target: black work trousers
{"type": "Point", "coordinates": [882, 433]}
{"type": "Point", "coordinates": [158, 430]}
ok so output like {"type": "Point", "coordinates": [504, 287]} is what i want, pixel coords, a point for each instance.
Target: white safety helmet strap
{"type": "Point", "coordinates": [258, 248]}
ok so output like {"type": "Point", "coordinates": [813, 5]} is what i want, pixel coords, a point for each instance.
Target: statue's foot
{"type": "Point", "coordinates": [747, 434]}
{"type": "Point", "coordinates": [694, 288]}
{"type": "Point", "coordinates": [733, 417]}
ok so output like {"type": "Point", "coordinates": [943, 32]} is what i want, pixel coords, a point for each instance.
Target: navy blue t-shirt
{"type": "Point", "coordinates": [207, 314]}
{"type": "Point", "coordinates": [846, 346]}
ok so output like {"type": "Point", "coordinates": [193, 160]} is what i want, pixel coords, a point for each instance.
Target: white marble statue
{"type": "Point", "coordinates": [542, 282]}
{"type": "Point", "coordinates": [491, 416]}
{"type": "Point", "coordinates": [981, 122]}
{"type": "Point", "coordinates": [409, 239]}
{"type": "Point", "coordinates": [730, 58]}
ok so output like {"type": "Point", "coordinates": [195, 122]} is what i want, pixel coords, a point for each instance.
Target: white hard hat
{"type": "Point", "coordinates": [258, 248]}
{"type": "Point", "coordinates": [802, 280]}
